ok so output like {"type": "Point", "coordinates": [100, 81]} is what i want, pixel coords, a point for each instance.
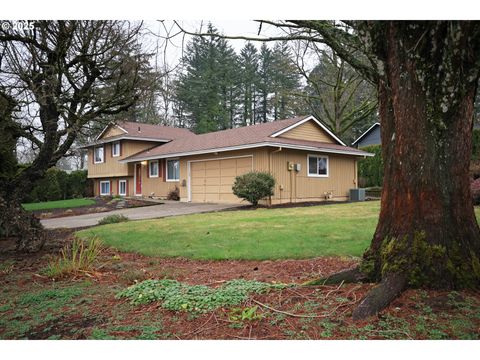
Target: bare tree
{"type": "Point", "coordinates": [64, 76]}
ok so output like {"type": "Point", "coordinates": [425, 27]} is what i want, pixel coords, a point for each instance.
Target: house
{"type": "Point", "coordinates": [308, 161]}
{"type": "Point", "coordinates": [369, 137]}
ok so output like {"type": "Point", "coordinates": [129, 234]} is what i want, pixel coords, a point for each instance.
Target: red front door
{"type": "Point", "coordinates": [138, 176]}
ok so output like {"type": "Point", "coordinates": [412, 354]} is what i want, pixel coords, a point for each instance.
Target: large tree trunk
{"type": "Point", "coordinates": [427, 234]}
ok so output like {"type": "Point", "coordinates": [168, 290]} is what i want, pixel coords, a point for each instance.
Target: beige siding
{"type": "Point", "coordinates": [113, 185]}
{"type": "Point", "coordinates": [308, 131]}
{"type": "Point", "coordinates": [292, 186]}
{"type": "Point", "coordinates": [157, 186]}
{"type": "Point", "coordinates": [111, 167]}
{"type": "Point", "coordinates": [112, 131]}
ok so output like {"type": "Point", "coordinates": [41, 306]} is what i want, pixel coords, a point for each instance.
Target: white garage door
{"type": "Point", "coordinates": [212, 180]}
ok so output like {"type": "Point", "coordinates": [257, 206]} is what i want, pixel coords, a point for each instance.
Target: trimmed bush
{"type": "Point", "coordinates": [254, 186]}
{"type": "Point", "coordinates": [370, 169]}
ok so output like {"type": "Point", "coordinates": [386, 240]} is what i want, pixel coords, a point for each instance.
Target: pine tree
{"type": "Point", "coordinates": [204, 90]}
{"type": "Point", "coordinates": [249, 81]}
{"type": "Point", "coordinates": [265, 86]}
{"type": "Point", "coordinates": [286, 82]}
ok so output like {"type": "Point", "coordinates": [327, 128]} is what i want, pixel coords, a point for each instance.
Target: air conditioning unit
{"type": "Point", "coordinates": [357, 194]}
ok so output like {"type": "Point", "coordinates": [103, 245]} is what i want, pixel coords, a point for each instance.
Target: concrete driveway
{"type": "Point", "coordinates": [169, 208]}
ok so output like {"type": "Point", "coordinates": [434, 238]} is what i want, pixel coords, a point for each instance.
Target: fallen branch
{"type": "Point", "coordinates": [286, 312]}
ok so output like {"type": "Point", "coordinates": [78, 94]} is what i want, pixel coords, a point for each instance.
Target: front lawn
{"type": "Point", "coordinates": [290, 233]}
{"type": "Point", "coordinates": [59, 204]}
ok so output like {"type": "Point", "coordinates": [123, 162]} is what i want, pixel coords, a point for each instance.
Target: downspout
{"type": "Point", "coordinates": [270, 169]}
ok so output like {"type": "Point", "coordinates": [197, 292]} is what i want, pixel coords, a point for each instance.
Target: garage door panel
{"type": "Point", "coordinates": [198, 166]}
{"type": "Point", "coordinates": [229, 164]}
{"type": "Point", "coordinates": [244, 170]}
{"type": "Point", "coordinates": [227, 180]}
{"type": "Point", "coordinates": [228, 172]}
{"type": "Point", "coordinates": [244, 162]}
{"type": "Point", "coordinates": [212, 180]}
{"type": "Point", "coordinates": [212, 173]}
{"type": "Point", "coordinates": [212, 164]}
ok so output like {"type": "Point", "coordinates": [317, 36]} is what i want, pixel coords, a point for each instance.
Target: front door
{"type": "Point", "coordinates": [138, 179]}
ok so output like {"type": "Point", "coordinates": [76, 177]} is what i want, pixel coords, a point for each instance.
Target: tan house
{"type": "Point", "coordinates": [308, 162]}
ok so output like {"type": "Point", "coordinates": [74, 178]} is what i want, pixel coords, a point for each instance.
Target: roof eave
{"type": "Point", "coordinates": [249, 146]}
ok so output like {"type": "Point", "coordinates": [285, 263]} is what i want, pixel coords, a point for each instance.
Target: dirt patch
{"type": "Point", "coordinates": [102, 204]}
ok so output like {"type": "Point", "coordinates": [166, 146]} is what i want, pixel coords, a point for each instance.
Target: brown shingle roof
{"type": "Point", "coordinates": [242, 136]}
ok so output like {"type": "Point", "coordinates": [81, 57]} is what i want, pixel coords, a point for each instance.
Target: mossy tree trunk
{"type": "Point", "coordinates": [427, 234]}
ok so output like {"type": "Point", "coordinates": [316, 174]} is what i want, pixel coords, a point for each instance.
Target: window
{"type": "Point", "coordinates": [116, 149]}
{"type": "Point", "coordinates": [318, 165]}
{"type": "Point", "coordinates": [104, 187]}
{"type": "Point", "coordinates": [98, 156]}
{"type": "Point", "coordinates": [173, 170]}
{"type": "Point", "coordinates": [122, 187]}
{"type": "Point", "coordinates": [153, 169]}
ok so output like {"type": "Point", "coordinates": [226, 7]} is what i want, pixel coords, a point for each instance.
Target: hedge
{"type": "Point", "coordinates": [370, 169]}
{"type": "Point", "coordinates": [59, 185]}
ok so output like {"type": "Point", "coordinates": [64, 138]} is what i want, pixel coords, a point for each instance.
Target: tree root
{"type": "Point", "coordinates": [348, 276]}
{"type": "Point", "coordinates": [380, 296]}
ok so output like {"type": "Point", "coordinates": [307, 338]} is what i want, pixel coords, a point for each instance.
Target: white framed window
{"type": "Point", "coordinates": [153, 168]}
{"type": "Point", "coordinates": [116, 149]}
{"type": "Point", "coordinates": [122, 187]}
{"type": "Point", "coordinates": [173, 170]}
{"type": "Point", "coordinates": [98, 155]}
{"type": "Point", "coordinates": [104, 188]}
{"type": "Point", "coordinates": [317, 165]}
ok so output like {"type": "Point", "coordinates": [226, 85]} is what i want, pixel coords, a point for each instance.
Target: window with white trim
{"type": "Point", "coordinates": [173, 170]}
{"type": "Point", "coordinates": [318, 165]}
{"type": "Point", "coordinates": [116, 149]}
{"type": "Point", "coordinates": [98, 155]}
{"type": "Point", "coordinates": [104, 188]}
{"type": "Point", "coordinates": [153, 168]}
{"type": "Point", "coordinates": [122, 187]}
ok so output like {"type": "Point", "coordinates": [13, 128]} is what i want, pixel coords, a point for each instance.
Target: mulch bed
{"type": "Point", "coordinates": [316, 312]}
{"type": "Point", "coordinates": [102, 204]}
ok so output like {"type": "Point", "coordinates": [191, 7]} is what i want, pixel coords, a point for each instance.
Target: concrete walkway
{"type": "Point", "coordinates": [169, 208]}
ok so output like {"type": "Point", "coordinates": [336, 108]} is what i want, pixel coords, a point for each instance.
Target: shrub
{"type": "Point", "coordinates": [174, 194]}
{"type": "Point", "coordinates": [370, 169]}
{"type": "Point", "coordinates": [79, 256]}
{"type": "Point", "coordinates": [254, 186]}
{"type": "Point", "coordinates": [113, 219]}
{"type": "Point", "coordinates": [476, 144]}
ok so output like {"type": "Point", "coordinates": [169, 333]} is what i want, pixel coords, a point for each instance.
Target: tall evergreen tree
{"type": "Point", "coordinates": [265, 85]}
{"type": "Point", "coordinates": [249, 81]}
{"type": "Point", "coordinates": [203, 89]}
{"type": "Point", "coordinates": [286, 82]}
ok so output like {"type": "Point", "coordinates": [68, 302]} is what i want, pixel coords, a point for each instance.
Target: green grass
{"type": "Point", "coordinates": [293, 233]}
{"type": "Point", "coordinates": [59, 204]}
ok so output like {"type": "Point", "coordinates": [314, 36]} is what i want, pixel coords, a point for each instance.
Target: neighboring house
{"type": "Point", "coordinates": [369, 137]}
{"type": "Point", "coordinates": [307, 160]}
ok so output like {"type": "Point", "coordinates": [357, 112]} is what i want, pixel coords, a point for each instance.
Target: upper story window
{"type": "Point", "coordinates": [153, 168]}
{"type": "Point", "coordinates": [98, 156]}
{"type": "Point", "coordinates": [173, 170]}
{"type": "Point", "coordinates": [318, 165]}
{"type": "Point", "coordinates": [116, 149]}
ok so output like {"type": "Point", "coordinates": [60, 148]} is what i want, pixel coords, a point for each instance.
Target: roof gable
{"type": "Point", "coordinates": [370, 129]}
{"type": "Point", "coordinates": [110, 130]}
{"type": "Point", "coordinates": [309, 129]}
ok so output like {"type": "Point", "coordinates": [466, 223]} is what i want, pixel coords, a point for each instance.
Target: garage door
{"type": "Point", "coordinates": [212, 180]}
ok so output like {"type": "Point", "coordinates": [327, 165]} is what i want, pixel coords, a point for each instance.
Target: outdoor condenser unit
{"type": "Point", "coordinates": [357, 194]}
